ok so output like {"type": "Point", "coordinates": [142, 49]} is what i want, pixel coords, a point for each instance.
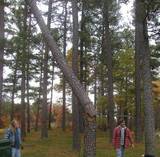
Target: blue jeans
{"type": "Point", "coordinates": [16, 152]}
{"type": "Point", "coordinates": [120, 151]}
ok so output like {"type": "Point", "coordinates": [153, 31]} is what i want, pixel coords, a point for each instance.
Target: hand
{"type": "Point", "coordinates": [22, 147]}
{"type": "Point", "coordinates": [132, 145]}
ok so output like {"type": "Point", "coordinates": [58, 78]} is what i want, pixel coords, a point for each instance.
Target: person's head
{"type": "Point", "coordinates": [14, 124]}
{"type": "Point", "coordinates": [121, 122]}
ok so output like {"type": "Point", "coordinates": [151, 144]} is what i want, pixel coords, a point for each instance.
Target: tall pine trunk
{"type": "Point", "coordinates": [14, 81]}
{"type": "Point", "coordinates": [138, 75]}
{"type": "Point", "coordinates": [64, 82]}
{"type": "Point", "coordinates": [142, 48]}
{"type": "Point", "coordinates": [44, 131]}
{"type": "Point", "coordinates": [75, 107]}
{"type": "Point", "coordinates": [1, 51]}
{"type": "Point", "coordinates": [39, 93]}
{"type": "Point", "coordinates": [51, 100]}
{"type": "Point", "coordinates": [81, 71]}
{"type": "Point", "coordinates": [108, 52]}
{"type": "Point", "coordinates": [23, 69]}
{"type": "Point", "coordinates": [28, 74]}
{"type": "Point", "coordinates": [90, 113]}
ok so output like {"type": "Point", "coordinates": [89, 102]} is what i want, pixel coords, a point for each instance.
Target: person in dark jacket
{"type": "Point", "coordinates": [13, 133]}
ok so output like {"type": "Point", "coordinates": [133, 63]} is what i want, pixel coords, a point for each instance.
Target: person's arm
{"type": "Point", "coordinates": [114, 137]}
{"type": "Point", "coordinates": [19, 136]}
{"type": "Point", "coordinates": [130, 138]}
{"type": "Point", "coordinates": [6, 134]}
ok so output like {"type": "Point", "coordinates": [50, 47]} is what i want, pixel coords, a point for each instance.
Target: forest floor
{"type": "Point", "coordinates": [59, 144]}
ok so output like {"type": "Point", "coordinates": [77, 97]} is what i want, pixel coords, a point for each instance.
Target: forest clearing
{"type": "Point", "coordinates": [80, 78]}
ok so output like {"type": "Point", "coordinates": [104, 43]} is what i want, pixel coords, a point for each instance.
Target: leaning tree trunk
{"type": "Point", "coordinates": [143, 44]}
{"type": "Point", "coordinates": [90, 113]}
{"type": "Point", "coordinates": [1, 50]}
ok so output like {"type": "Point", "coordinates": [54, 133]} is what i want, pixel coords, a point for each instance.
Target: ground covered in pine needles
{"type": "Point", "coordinates": [59, 144]}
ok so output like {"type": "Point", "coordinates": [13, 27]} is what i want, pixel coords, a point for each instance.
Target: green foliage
{"type": "Point", "coordinates": [102, 104]}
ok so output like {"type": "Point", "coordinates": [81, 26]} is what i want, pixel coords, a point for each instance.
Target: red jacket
{"type": "Point", "coordinates": [117, 136]}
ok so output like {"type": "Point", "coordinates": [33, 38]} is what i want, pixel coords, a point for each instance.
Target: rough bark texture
{"type": "Point", "coordinates": [64, 82]}
{"type": "Point", "coordinates": [44, 131]}
{"type": "Point", "coordinates": [89, 137]}
{"type": "Point", "coordinates": [75, 107]}
{"type": "Point", "coordinates": [28, 103]}
{"type": "Point", "coordinates": [28, 73]}
{"type": "Point", "coordinates": [14, 81]}
{"type": "Point", "coordinates": [50, 106]}
{"type": "Point", "coordinates": [108, 52]}
{"type": "Point", "coordinates": [23, 69]}
{"type": "Point", "coordinates": [81, 71]}
{"type": "Point", "coordinates": [1, 50]}
{"type": "Point", "coordinates": [39, 94]}
{"type": "Point", "coordinates": [44, 118]}
{"type": "Point", "coordinates": [142, 31]}
{"type": "Point", "coordinates": [78, 90]}
{"type": "Point", "coordinates": [138, 78]}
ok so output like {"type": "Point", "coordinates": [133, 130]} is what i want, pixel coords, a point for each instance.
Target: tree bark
{"type": "Point", "coordinates": [138, 77]}
{"type": "Point", "coordinates": [40, 93]}
{"type": "Point", "coordinates": [14, 81]}
{"type": "Point", "coordinates": [64, 82]}
{"type": "Point", "coordinates": [28, 73]}
{"type": "Point", "coordinates": [75, 107]}
{"type": "Point", "coordinates": [142, 37]}
{"type": "Point", "coordinates": [81, 78]}
{"type": "Point", "coordinates": [108, 52]}
{"type": "Point", "coordinates": [90, 113]}
{"type": "Point", "coordinates": [50, 107]}
{"type": "Point", "coordinates": [23, 69]}
{"type": "Point", "coordinates": [44, 131]}
{"type": "Point", "coordinates": [1, 51]}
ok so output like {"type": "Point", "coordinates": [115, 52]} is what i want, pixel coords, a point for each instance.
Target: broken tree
{"type": "Point", "coordinates": [90, 113]}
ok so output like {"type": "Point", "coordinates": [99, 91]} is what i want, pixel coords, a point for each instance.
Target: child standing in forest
{"type": "Point", "coordinates": [13, 133]}
{"type": "Point", "coordinates": [122, 138]}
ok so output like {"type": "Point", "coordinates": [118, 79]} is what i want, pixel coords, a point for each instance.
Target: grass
{"type": "Point", "coordinates": [59, 144]}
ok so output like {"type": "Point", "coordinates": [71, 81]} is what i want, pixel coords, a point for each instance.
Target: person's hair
{"type": "Point", "coordinates": [121, 120]}
{"type": "Point", "coordinates": [12, 124]}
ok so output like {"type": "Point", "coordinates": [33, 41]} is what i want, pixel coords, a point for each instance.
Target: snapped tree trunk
{"type": "Point", "coordinates": [90, 113]}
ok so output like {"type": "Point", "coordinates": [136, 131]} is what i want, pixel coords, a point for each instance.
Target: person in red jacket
{"type": "Point", "coordinates": [122, 138]}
